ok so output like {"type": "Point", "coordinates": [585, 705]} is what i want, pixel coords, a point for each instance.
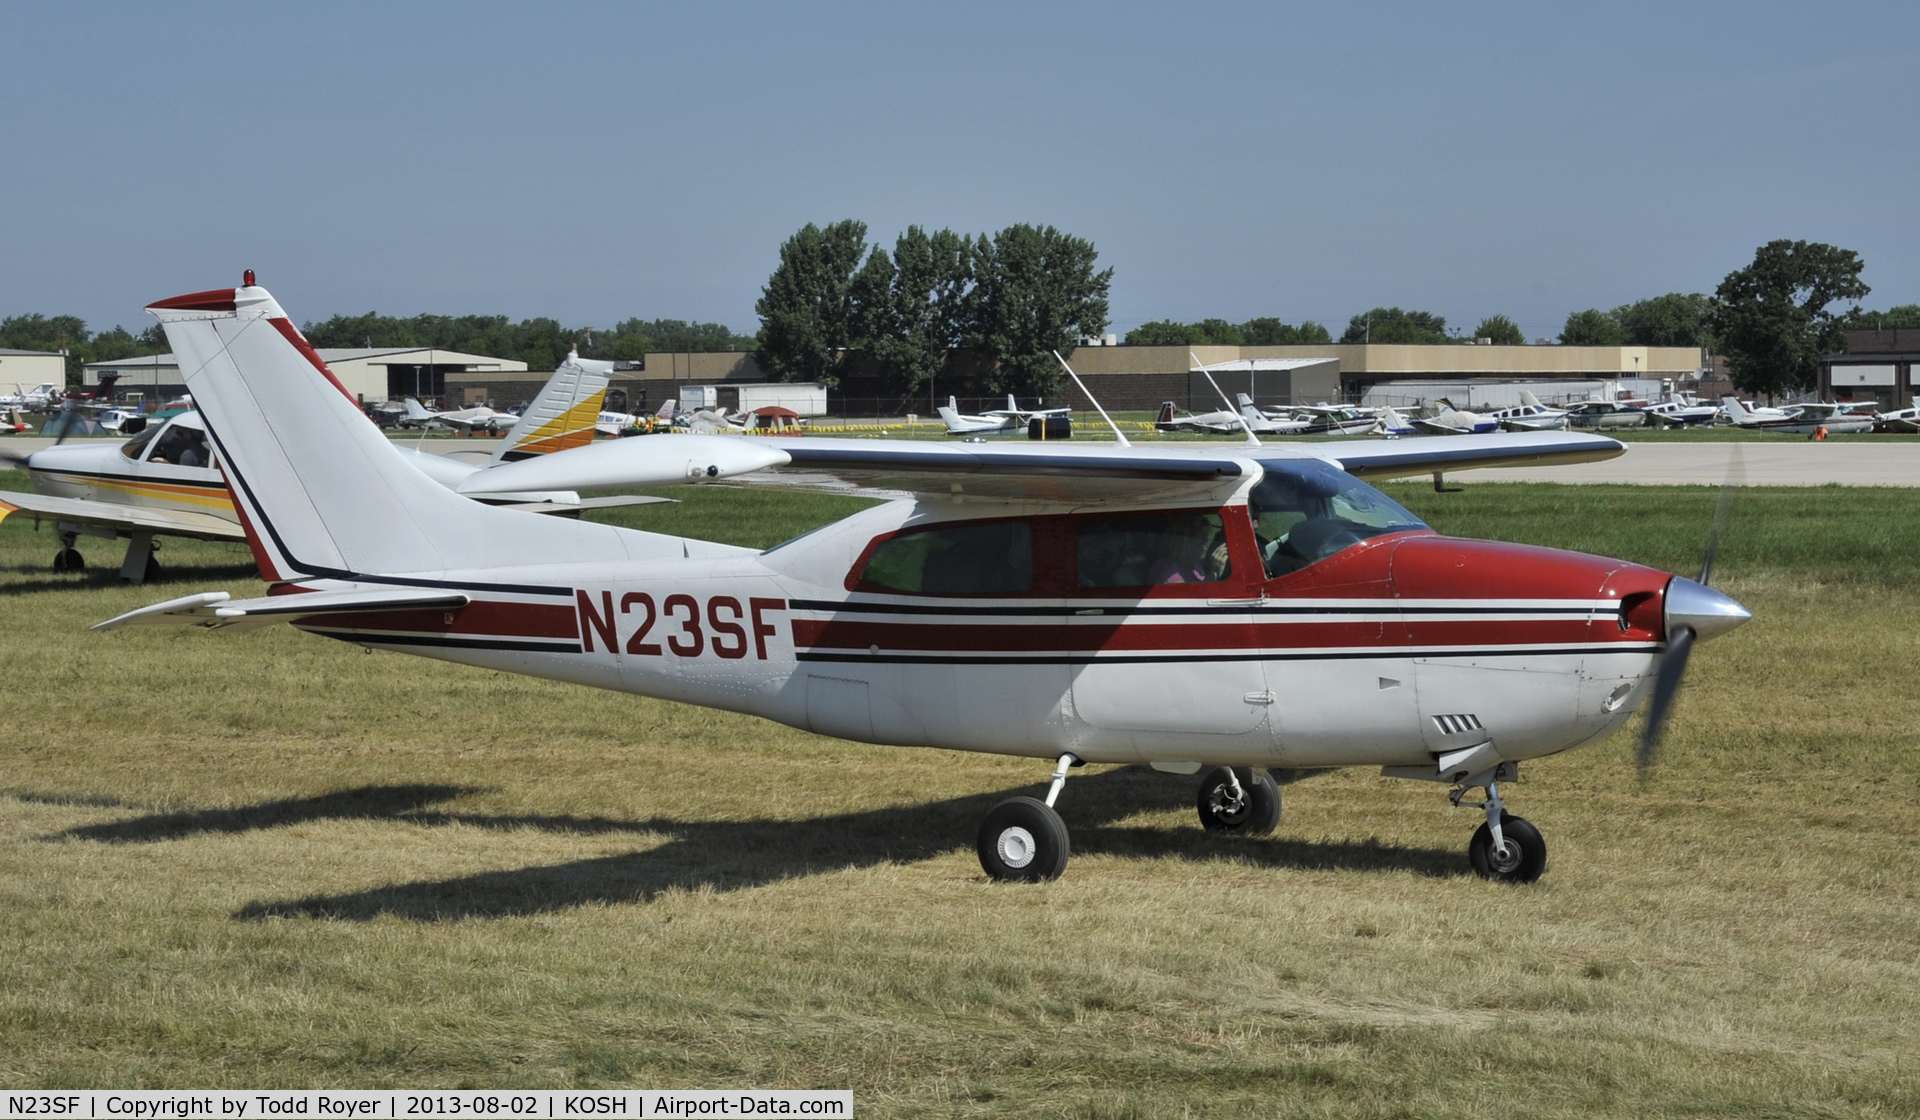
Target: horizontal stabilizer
{"type": "Point", "coordinates": [216, 609]}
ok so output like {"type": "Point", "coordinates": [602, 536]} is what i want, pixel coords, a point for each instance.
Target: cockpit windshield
{"type": "Point", "coordinates": [134, 447]}
{"type": "Point", "coordinates": [1306, 510]}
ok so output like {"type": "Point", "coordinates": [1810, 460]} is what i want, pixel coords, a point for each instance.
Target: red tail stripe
{"type": "Point", "coordinates": [287, 331]}
{"type": "Point", "coordinates": [219, 299]}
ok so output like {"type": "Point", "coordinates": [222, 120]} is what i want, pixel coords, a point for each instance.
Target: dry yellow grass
{"type": "Point", "coordinates": [269, 859]}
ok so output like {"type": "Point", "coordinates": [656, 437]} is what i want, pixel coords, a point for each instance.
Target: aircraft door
{"type": "Point", "coordinates": [1162, 630]}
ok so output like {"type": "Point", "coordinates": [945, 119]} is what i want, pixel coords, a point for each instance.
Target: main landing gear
{"type": "Point", "coordinates": [1024, 840]}
{"type": "Point", "coordinates": [68, 559]}
{"type": "Point", "coordinates": [1505, 848]}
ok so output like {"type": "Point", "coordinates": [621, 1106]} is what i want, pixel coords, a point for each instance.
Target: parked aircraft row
{"type": "Point", "coordinates": [1220, 608]}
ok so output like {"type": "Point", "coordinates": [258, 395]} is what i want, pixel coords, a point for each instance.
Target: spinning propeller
{"type": "Point", "coordinates": [1694, 612]}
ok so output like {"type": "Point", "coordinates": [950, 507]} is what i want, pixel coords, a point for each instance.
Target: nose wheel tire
{"type": "Point", "coordinates": [69, 560]}
{"type": "Point", "coordinates": [1520, 860]}
{"type": "Point", "coordinates": [1023, 840]}
{"type": "Point", "coordinates": [1253, 810]}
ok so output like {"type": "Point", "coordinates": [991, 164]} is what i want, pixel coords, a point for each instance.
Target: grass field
{"type": "Point", "coordinates": [267, 859]}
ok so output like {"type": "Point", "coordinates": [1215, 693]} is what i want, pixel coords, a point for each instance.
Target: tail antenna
{"type": "Point", "coordinates": [1117, 433]}
{"type": "Point", "coordinates": [1252, 440]}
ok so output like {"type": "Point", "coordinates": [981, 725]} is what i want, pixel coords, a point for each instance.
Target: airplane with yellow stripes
{"type": "Point", "coordinates": [167, 482]}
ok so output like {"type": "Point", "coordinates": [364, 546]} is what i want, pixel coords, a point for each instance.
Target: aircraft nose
{"type": "Point", "coordinates": [1705, 611]}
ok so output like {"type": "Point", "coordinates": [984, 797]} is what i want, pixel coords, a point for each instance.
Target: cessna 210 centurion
{"type": "Point", "coordinates": [1231, 607]}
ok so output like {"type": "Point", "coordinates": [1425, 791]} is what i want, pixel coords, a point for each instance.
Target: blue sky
{"type": "Point", "coordinates": [597, 162]}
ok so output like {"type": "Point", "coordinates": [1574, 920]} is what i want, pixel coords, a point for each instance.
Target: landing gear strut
{"type": "Point", "coordinates": [1023, 839]}
{"type": "Point", "coordinates": [68, 559]}
{"type": "Point", "coordinates": [1505, 848]}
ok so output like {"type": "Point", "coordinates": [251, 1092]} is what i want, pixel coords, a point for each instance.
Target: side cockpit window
{"type": "Point", "coordinates": [983, 558]}
{"type": "Point", "coordinates": [181, 446]}
{"type": "Point", "coordinates": [1149, 549]}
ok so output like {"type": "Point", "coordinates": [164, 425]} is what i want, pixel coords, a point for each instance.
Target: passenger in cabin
{"type": "Point", "coordinates": [1151, 549]}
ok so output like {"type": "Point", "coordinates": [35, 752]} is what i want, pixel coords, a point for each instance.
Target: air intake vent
{"type": "Point", "coordinates": [1457, 725]}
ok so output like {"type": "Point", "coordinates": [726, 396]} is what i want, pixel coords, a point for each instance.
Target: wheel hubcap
{"type": "Point", "coordinates": [1017, 847]}
{"type": "Point", "coordinates": [1504, 856]}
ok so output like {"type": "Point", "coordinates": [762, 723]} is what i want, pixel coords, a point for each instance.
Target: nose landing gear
{"type": "Point", "coordinates": [1505, 848]}
{"type": "Point", "coordinates": [1239, 799]}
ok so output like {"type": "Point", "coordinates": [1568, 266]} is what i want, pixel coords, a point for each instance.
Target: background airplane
{"type": "Point", "coordinates": [1450, 421]}
{"type": "Point", "coordinates": [479, 418]}
{"type": "Point", "coordinates": [165, 482]}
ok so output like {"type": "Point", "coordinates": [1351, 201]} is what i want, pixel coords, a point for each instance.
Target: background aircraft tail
{"type": "Point", "coordinates": [563, 415]}
{"type": "Point", "coordinates": [950, 418]}
{"type": "Point", "coordinates": [320, 491]}
{"type": "Point", "coordinates": [415, 410]}
{"type": "Point", "coordinates": [1527, 398]}
{"type": "Point", "coordinates": [1735, 409]}
{"type": "Point", "coordinates": [1166, 413]}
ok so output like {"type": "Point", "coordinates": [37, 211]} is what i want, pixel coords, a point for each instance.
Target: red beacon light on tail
{"type": "Point", "coordinates": [246, 279]}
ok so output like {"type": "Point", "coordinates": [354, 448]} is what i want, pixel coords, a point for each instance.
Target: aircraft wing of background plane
{"type": "Point", "coordinates": [119, 519]}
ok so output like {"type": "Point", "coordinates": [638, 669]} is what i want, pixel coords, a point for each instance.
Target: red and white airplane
{"type": "Point", "coordinates": [1234, 607]}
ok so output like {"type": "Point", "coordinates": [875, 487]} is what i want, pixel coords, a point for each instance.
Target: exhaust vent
{"type": "Point", "coordinates": [1457, 725]}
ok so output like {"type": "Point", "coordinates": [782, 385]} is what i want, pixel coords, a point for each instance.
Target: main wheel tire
{"type": "Point", "coordinates": [1522, 862]}
{"type": "Point", "coordinates": [1023, 840]}
{"type": "Point", "coordinates": [151, 572]}
{"type": "Point", "coordinates": [1255, 813]}
{"type": "Point", "coordinates": [69, 560]}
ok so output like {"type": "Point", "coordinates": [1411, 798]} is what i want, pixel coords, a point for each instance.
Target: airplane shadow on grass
{"type": "Point", "coordinates": [24, 579]}
{"type": "Point", "coordinates": [736, 855]}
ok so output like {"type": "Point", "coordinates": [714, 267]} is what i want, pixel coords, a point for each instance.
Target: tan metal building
{"type": "Point", "coordinates": [31, 368]}
{"type": "Point", "coordinates": [377, 374]}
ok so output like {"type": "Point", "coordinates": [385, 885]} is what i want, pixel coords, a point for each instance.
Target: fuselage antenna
{"type": "Point", "coordinates": [1117, 433]}
{"type": "Point", "coordinates": [1252, 440]}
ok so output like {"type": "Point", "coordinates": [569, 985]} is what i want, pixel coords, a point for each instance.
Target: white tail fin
{"type": "Point", "coordinates": [1011, 407]}
{"type": "Point", "coordinates": [1527, 398]}
{"type": "Point", "coordinates": [416, 410]}
{"type": "Point", "coordinates": [563, 415]}
{"type": "Point", "coordinates": [1166, 413]}
{"type": "Point", "coordinates": [320, 491]}
{"type": "Point", "coordinates": [952, 404]}
{"type": "Point", "coordinates": [1734, 409]}
{"type": "Point", "coordinates": [951, 418]}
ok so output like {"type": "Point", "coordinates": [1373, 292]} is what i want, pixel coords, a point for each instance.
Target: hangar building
{"type": "Point", "coordinates": [378, 374]}
{"type": "Point", "coordinates": [30, 368]}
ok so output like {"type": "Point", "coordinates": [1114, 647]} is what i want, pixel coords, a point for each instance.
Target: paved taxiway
{"type": "Point", "coordinates": [1874, 461]}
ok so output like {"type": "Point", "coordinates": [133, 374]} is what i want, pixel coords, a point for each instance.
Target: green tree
{"type": "Point", "coordinates": [1392, 325]}
{"type": "Point", "coordinates": [1219, 332]}
{"type": "Point", "coordinates": [1163, 332]}
{"type": "Point", "coordinates": [1773, 316]}
{"type": "Point", "coordinates": [1592, 327]}
{"type": "Point", "coordinates": [1675, 319]}
{"type": "Point", "coordinates": [1035, 291]}
{"type": "Point", "coordinates": [1502, 330]}
{"type": "Point", "coordinates": [807, 310]}
{"type": "Point", "coordinates": [1273, 332]}
{"type": "Point", "coordinates": [913, 306]}
{"type": "Point", "coordinates": [1905, 315]}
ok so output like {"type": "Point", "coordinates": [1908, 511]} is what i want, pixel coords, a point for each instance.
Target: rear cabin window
{"type": "Point", "coordinates": [1145, 550]}
{"type": "Point", "coordinates": [992, 558]}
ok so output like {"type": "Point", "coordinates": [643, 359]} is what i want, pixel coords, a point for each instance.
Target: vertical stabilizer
{"type": "Point", "coordinates": [320, 491]}
{"type": "Point", "coordinates": [562, 416]}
